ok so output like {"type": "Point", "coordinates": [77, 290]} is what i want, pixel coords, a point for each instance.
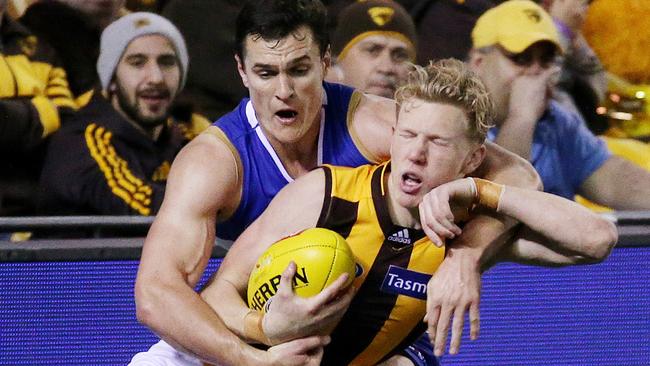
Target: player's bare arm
{"type": "Point", "coordinates": [504, 167]}
{"type": "Point", "coordinates": [295, 208]}
{"type": "Point", "coordinates": [373, 123]}
{"type": "Point", "coordinates": [609, 181]}
{"type": "Point", "coordinates": [556, 232]}
{"type": "Point", "coordinates": [455, 287]}
{"type": "Point", "coordinates": [484, 235]}
{"type": "Point", "coordinates": [564, 223]}
{"type": "Point", "coordinates": [201, 186]}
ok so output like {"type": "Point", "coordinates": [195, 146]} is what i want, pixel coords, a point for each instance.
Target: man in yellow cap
{"type": "Point", "coordinates": [515, 52]}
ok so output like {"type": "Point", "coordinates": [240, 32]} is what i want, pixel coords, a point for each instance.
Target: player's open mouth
{"type": "Point", "coordinates": [286, 115]}
{"type": "Point", "coordinates": [410, 183]}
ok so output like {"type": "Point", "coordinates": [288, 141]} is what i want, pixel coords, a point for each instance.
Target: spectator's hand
{"type": "Point", "coordinates": [454, 289]}
{"type": "Point", "coordinates": [530, 93]}
{"type": "Point", "coordinates": [290, 316]}
{"type": "Point", "coordinates": [443, 206]}
{"type": "Point", "coordinates": [303, 351]}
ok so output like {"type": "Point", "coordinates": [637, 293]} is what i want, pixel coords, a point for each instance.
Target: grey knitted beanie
{"type": "Point", "coordinates": [119, 34]}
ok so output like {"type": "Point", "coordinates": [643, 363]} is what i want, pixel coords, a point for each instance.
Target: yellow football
{"type": "Point", "coordinates": [321, 256]}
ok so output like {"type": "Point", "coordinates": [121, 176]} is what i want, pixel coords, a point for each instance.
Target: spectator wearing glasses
{"type": "Point", "coordinates": [515, 48]}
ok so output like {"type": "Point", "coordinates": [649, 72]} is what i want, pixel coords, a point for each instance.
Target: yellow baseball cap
{"type": "Point", "coordinates": [515, 25]}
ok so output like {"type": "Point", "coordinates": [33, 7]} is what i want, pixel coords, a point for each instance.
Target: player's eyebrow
{"type": "Point", "coordinates": [299, 60]}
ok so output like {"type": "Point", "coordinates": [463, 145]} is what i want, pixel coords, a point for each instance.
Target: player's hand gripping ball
{"type": "Point", "coordinates": [321, 256]}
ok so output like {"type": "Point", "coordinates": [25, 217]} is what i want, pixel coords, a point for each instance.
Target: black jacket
{"type": "Point", "coordinates": [100, 164]}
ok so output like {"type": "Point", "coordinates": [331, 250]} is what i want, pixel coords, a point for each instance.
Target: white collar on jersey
{"type": "Point", "coordinates": [255, 124]}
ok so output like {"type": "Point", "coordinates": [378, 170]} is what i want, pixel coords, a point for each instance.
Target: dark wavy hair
{"type": "Point", "coordinates": [275, 19]}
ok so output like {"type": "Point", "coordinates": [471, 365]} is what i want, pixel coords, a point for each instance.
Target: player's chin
{"type": "Point", "coordinates": [289, 135]}
{"type": "Point", "coordinates": [409, 201]}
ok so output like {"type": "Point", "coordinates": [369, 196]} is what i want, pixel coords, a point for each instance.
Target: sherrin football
{"type": "Point", "coordinates": [321, 256]}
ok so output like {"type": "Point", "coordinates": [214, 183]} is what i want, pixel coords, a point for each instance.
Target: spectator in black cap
{"type": "Point", "coordinates": [373, 43]}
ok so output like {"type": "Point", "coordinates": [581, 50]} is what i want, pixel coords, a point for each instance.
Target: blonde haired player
{"type": "Point", "coordinates": [439, 138]}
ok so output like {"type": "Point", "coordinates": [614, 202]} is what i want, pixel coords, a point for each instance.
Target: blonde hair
{"type": "Point", "coordinates": [450, 81]}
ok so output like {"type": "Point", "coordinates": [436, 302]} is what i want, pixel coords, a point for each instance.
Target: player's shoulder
{"type": "Point", "coordinates": [376, 108]}
{"type": "Point", "coordinates": [373, 123]}
{"type": "Point", "coordinates": [350, 182]}
{"type": "Point", "coordinates": [209, 154]}
{"type": "Point", "coordinates": [212, 141]}
{"type": "Point", "coordinates": [206, 175]}
{"type": "Point", "coordinates": [314, 180]}
{"type": "Point", "coordinates": [327, 171]}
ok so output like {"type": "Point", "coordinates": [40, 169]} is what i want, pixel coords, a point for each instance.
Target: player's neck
{"type": "Point", "coordinates": [301, 156]}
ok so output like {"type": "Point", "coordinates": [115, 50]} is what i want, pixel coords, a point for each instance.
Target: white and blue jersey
{"type": "Point", "coordinates": [262, 171]}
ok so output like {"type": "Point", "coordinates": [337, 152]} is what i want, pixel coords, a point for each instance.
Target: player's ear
{"type": "Point", "coordinates": [327, 60]}
{"type": "Point", "coordinates": [241, 70]}
{"type": "Point", "coordinates": [475, 159]}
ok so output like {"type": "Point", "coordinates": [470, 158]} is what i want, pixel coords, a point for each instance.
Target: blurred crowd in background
{"type": "Point", "coordinates": [59, 159]}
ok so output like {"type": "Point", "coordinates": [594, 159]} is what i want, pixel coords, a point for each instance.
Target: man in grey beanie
{"type": "Point", "coordinates": [137, 91]}
{"type": "Point", "coordinates": [113, 157]}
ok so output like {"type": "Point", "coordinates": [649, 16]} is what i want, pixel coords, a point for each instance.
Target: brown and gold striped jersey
{"type": "Point", "coordinates": [394, 263]}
